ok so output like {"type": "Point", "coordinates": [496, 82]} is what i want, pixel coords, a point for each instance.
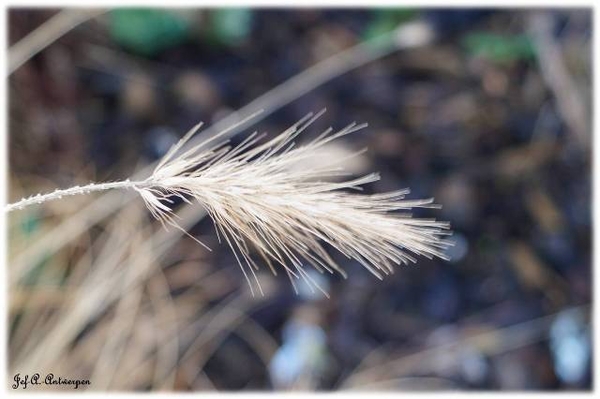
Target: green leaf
{"type": "Point", "coordinates": [499, 48]}
{"type": "Point", "coordinates": [387, 19]}
{"type": "Point", "coordinates": [230, 26]}
{"type": "Point", "coordinates": [147, 31]}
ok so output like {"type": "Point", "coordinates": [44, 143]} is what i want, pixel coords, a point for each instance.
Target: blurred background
{"type": "Point", "coordinates": [486, 110]}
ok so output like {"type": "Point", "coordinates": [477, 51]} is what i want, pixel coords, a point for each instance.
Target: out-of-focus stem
{"type": "Point", "coordinates": [47, 33]}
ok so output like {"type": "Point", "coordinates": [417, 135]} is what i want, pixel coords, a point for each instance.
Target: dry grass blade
{"type": "Point", "coordinates": [47, 33]}
{"type": "Point", "coordinates": [257, 200]}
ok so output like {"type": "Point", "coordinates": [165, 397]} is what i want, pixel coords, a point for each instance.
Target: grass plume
{"type": "Point", "coordinates": [258, 198]}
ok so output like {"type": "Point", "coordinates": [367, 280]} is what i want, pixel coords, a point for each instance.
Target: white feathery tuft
{"type": "Point", "coordinates": [258, 198]}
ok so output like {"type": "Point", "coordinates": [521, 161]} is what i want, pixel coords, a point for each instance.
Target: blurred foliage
{"type": "Point", "coordinates": [230, 26]}
{"type": "Point", "coordinates": [386, 20]}
{"type": "Point", "coordinates": [30, 223]}
{"type": "Point", "coordinates": [33, 277]}
{"type": "Point", "coordinates": [499, 48]}
{"type": "Point", "coordinates": [147, 31]}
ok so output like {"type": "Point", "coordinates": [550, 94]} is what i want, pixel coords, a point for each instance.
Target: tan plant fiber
{"type": "Point", "coordinates": [259, 198]}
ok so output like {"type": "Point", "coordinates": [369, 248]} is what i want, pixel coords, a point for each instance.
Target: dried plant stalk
{"type": "Point", "coordinates": [258, 198]}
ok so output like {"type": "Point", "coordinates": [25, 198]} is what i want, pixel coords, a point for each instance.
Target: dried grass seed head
{"type": "Point", "coordinates": [258, 199]}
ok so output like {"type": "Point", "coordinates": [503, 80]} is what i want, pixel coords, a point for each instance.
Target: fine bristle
{"type": "Point", "coordinates": [257, 199]}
